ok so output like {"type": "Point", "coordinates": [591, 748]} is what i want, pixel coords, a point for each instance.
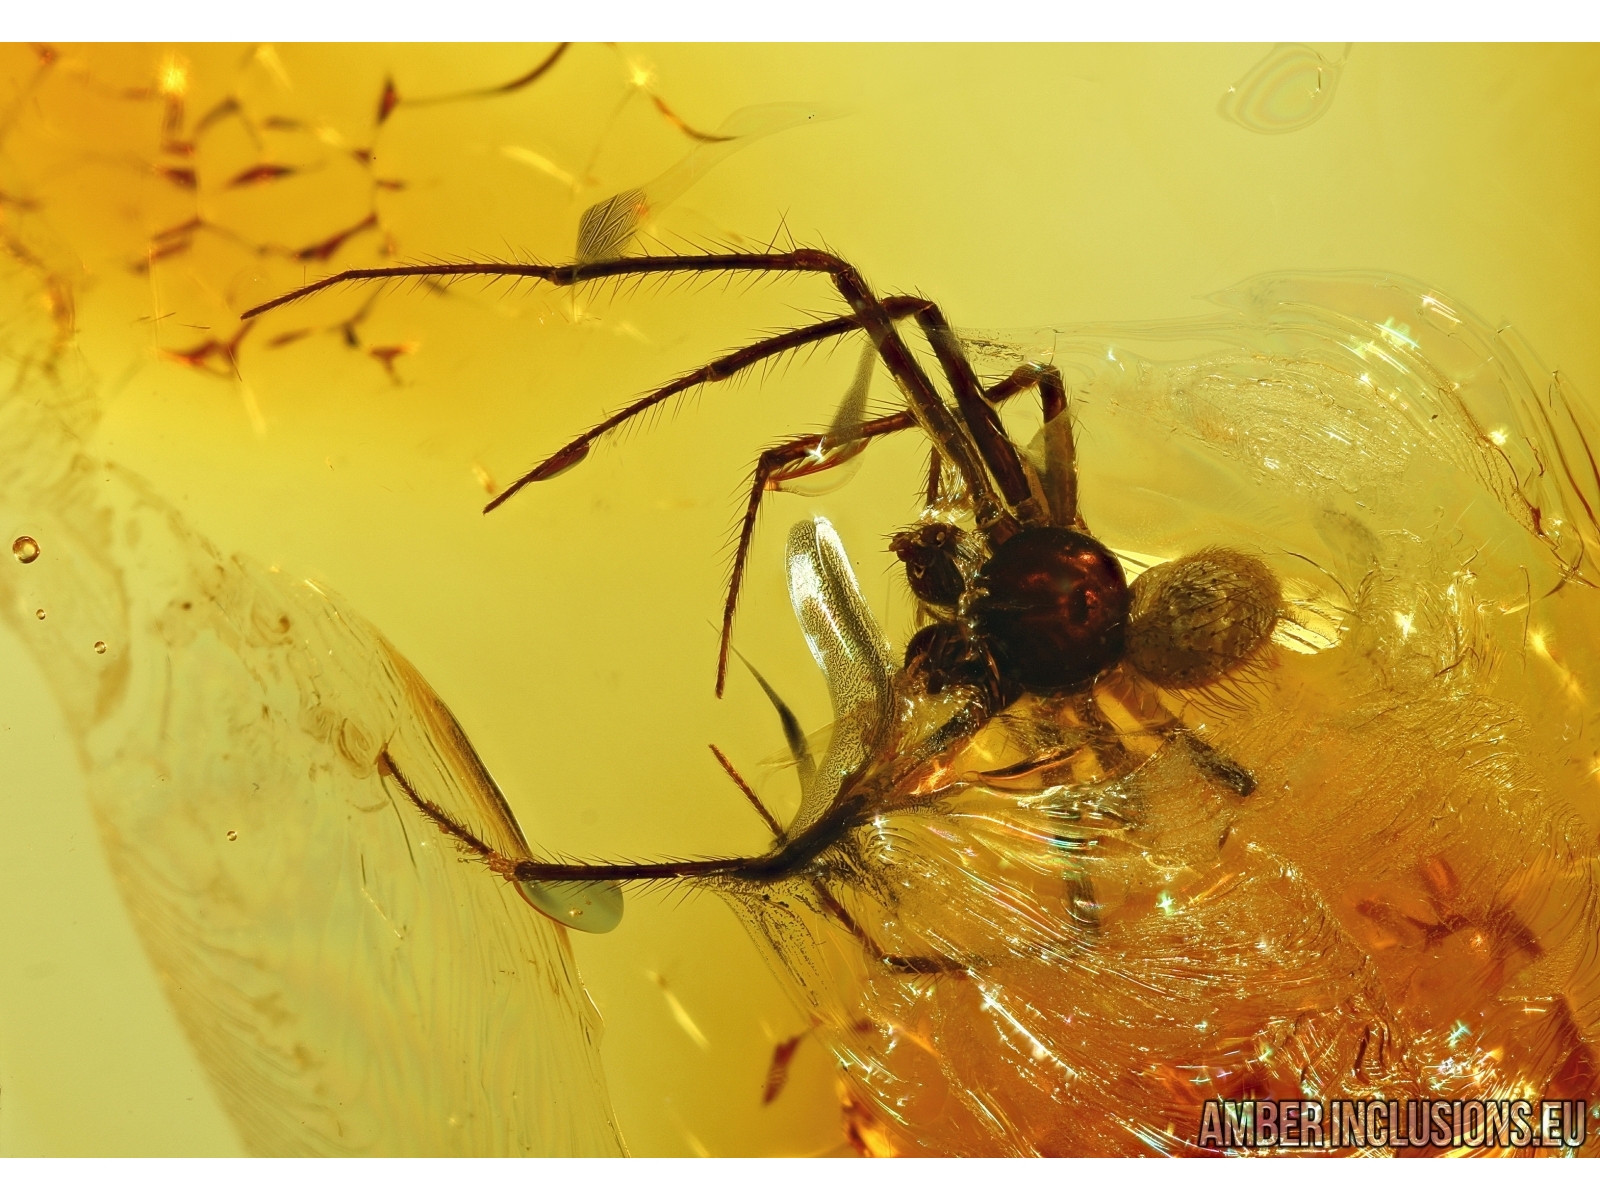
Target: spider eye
{"type": "Point", "coordinates": [929, 553]}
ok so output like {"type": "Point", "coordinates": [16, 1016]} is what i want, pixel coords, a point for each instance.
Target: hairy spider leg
{"type": "Point", "coordinates": [1054, 395]}
{"type": "Point", "coordinates": [719, 369]}
{"type": "Point", "coordinates": [785, 461]}
{"type": "Point", "coordinates": [497, 862]}
{"type": "Point", "coordinates": [1105, 738]}
{"type": "Point", "coordinates": [1209, 759]}
{"type": "Point", "coordinates": [762, 811]}
{"type": "Point", "coordinates": [779, 461]}
{"type": "Point", "coordinates": [513, 869]}
{"type": "Point", "coordinates": [779, 863]}
{"type": "Point", "coordinates": [982, 422]}
{"type": "Point", "coordinates": [1060, 484]}
{"type": "Point", "coordinates": [957, 443]}
{"type": "Point", "coordinates": [775, 463]}
{"type": "Point", "coordinates": [1169, 726]}
{"type": "Point", "coordinates": [930, 493]}
{"type": "Point", "coordinates": [789, 856]}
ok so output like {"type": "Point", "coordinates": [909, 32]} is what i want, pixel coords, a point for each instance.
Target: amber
{"type": "Point", "coordinates": [1421, 720]}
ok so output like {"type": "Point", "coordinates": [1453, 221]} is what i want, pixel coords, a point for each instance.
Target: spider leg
{"type": "Point", "coordinates": [474, 845]}
{"type": "Point", "coordinates": [1061, 486]}
{"type": "Point", "coordinates": [1104, 737]}
{"type": "Point", "coordinates": [904, 964]}
{"type": "Point", "coordinates": [982, 421]}
{"type": "Point", "coordinates": [1205, 756]}
{"type": "Point", "coordinates": [935, 473]}
{"type": "Point", "coordinates": [789, 857]}
{"type": "Point", "coordinates": [762, 811]}
{"type": "Point", "coordinates": [1209, 759]}
{"type": "Point", "coordinates": [1060, 454]}
{"type": "Point", "coordinates": [514, 869]}
{"type": "Point", "coordinates": [959, 444]}
{"type": "Point", "coordinates": [787, 461]}
{"type": "Point", "coordinates": [718, 369]}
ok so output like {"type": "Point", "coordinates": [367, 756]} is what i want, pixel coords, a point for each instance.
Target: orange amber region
{"type": "Point", "coordinates": [1402, 909]}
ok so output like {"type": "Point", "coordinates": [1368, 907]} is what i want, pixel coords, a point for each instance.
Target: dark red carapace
{"type": "Point", "coordinates": [1052, 604]}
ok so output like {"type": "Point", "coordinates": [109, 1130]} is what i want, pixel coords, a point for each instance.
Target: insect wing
{"type": "Point", "coordinates": [440, 768]}
{"type": "Point", "coordinates": [352, 979]}
{"type": "Point", "coordinates": [838, 455]}
{"type": "Point", "coordinates": [851, 651]}
{"type": "Point", "coordinates": [607, 228]}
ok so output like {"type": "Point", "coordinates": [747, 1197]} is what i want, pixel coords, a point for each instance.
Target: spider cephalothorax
{"type": "Point", "coordinates": [1050, 609]}
{"type": "Point", "coordinates": [1052, 605]}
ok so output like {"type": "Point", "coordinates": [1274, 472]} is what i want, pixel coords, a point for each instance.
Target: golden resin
{"type": "Point", "coordinates": [1404, 905]}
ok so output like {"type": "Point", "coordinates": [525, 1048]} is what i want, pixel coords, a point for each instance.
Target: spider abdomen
{"type": "Point", "coordinates": [1194, 619]}
{"type": "Point", "coordinates": [1052, 605]}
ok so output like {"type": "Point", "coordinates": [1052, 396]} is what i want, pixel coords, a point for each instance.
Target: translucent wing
{"type": "Point", "coordinates": [838, 457]}
{"type": "Point", "coordinates": [850, 649]}
{"type": "Point", "coordinates": [353, 980]}
{"type": "Point", "coordinates": [607, 228]}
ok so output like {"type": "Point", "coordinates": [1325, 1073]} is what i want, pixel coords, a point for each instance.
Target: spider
{"type": "Point", "coordinates": [1028, 602]}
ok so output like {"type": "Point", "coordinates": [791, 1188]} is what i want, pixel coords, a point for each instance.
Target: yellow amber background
{"type": "Point", "coordinates": [1019, 186]}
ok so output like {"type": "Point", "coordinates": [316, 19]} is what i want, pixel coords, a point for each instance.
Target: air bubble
{"type": "Point", "coordinates": [25, 548]}
{"type": "Point", "coordinates": [1287, 90]}
{"type": "Point", "coordinates": [39, 612]}
{"type": "Point", "coordinates": [233, 835]}
{"type": "Point", "coordinates": [99, 647]}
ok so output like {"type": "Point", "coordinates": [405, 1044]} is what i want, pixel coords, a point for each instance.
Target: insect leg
{"type": "Point", "coordinates": [1060, 454]}
{"type": "Point", "coordinates": [786, 461]}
